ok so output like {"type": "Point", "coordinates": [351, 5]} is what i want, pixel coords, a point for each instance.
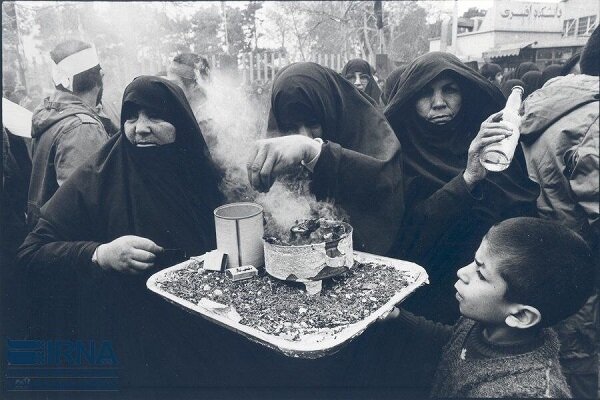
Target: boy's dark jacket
{"type": "Point", "coordinates": [535, 374]}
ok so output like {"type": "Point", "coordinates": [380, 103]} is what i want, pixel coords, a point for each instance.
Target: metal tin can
{"type": "Point", "coordinates": [239, 228]}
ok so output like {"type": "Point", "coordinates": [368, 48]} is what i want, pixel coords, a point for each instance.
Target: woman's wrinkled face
{"type": "Point", "coordinates": [145, 129]}
{"type": "Point", "coordinates": [439, 101]}
{"type": "Point", "coordinates": [359, 80]}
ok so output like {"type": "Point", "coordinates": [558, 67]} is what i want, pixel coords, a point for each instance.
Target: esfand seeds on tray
{"type": "Point", "coordinates": [284, 308]}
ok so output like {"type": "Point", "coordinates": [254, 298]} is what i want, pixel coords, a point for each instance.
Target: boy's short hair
{"type": "Point", "coordinates": [545, 265]}
{"type": "Point", "coordinates": [83, 81]}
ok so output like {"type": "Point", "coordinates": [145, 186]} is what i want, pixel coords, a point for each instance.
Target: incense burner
{"type": "Point", "coordinates": [316, 249]}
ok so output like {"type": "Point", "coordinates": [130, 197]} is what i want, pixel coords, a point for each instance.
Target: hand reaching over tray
{"type": "Point", "coordinates": [128, 254]}
{"type": "Point", "coordinates": [273, 157]}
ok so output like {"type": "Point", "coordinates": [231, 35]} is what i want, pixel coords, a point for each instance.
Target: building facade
{"type": "Point", "coordinates": [512, 32]}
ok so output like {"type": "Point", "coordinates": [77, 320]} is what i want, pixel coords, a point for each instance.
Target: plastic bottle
{"type": "Point", "coordinates": [497, 156]}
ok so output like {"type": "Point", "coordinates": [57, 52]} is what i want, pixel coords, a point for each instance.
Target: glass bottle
{"type": "Point", "coordinates": [497, 156]}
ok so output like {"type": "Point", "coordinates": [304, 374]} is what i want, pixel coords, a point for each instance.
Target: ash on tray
{"type": "Point", "coordinates": [310, 231]}
{"type": "Point", "coordinates": [283, 308]}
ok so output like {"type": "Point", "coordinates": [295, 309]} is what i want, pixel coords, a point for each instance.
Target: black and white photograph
{"type": "Point", "coordinates": [300, 199]}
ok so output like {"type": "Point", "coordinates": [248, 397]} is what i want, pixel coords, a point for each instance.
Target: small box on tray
{"type": "Point", "coordinates": [214, 261]}
{"type": "Point", "coordinates": [240, 273]}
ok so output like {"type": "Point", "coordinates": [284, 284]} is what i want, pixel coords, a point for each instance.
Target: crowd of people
{"type": "Point", "coordinates": [512, 307]}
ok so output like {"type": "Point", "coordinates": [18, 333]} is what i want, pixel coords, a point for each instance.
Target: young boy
{"type": "Point", "coordinates": [527, 275]}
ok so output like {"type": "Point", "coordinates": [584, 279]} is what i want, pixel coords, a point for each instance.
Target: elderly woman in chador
{"type": "Point", "coordinates": [321, 120]}
{"type": "Point", "coordinates": [445, 114]}
{"type": "Point", "coordinates": [151, 187]}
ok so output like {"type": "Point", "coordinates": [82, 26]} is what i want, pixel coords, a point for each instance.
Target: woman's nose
{"type": "Point", "coordinates": [437, 100]}
{"type": "Point", "coordinates": [357, 79]}
{"type": "Point", "coordinates": [141, 125]}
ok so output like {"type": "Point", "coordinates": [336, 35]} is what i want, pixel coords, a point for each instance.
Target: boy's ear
{"type": "Point", "coordinates": [523, 317]}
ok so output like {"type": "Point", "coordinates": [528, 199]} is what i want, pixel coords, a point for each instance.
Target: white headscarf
{"type": "Point", "coordinates": [67, 68]}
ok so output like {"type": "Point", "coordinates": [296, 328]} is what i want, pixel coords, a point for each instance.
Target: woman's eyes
{"type": "Point", "coordinates": [425, 93]}
{"type": "Point", "coordinates": [361, 77]}
{"type": "Point", "coordinates": [152, 115]}
{"type": "Point", "coordinates": [451, 89]}
{"type": "Point", "coordinates": [133, 118]}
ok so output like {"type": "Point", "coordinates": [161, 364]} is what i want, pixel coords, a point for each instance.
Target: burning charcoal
{"type": "Point", "coordinates": [299, 230]}
{"type": "Point", "coordinates": [274, 240]}
{"type": "Point", "coordinates": [304, 229]}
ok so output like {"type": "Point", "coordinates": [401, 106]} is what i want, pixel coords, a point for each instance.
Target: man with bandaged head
{"type": "Point", "coordinates": [191, 72]}
{"type": "Point", "coordinates": [66, 128]}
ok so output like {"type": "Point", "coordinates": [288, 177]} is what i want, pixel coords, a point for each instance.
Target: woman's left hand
{"type": "Point", "coordinates": [273, 157]}
{"type": "Point", "coordinates": [492, 130]}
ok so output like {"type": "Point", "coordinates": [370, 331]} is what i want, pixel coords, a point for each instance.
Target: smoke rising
{"type": "Point", "coordinates": [232, 125]}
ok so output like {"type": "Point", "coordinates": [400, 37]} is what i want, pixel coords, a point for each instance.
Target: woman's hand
{"type": "Point", "coordinates": [492, 130]}
{"type": "Point", "coordinates": [273, 157]}
{"type": "Point", "coordinates": [128, 254]}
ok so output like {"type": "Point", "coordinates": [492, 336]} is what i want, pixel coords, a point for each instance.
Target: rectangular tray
{"type": "Point", "coordinates": [326, 341]}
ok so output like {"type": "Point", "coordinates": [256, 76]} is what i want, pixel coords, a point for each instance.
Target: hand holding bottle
{"type": "Point", "coordinates": [493, 130]}
{"type": "Point", "coordinates": [497, 156]}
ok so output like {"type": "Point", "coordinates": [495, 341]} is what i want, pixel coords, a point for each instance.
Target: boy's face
{"type": "Point", "coordinates": [480, 289]}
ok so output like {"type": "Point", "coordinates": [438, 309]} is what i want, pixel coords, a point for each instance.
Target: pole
{"type": "Point", "coordinates": [378, 10]}
{"type": "Point", "coordinates": [20, 48]}
{"type": "Point", "coordinates": [225, 23]}
{"type": "Point", "coordinates": [455, 27]}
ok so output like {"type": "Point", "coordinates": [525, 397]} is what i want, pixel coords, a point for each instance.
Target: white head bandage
{"type": "Point", "coordinates": [66, 69]}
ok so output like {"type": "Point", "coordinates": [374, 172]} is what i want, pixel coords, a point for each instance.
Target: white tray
{"type": "Point", "coordinates": [314, 345]}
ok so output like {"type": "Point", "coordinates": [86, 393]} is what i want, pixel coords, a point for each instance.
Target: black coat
{"type": "Point", "coordinates": [444, 222]}
{"type": "Point", "coordinates": [122, 191]}
{"type": "Point", "coordinates": [360, 166]}
{"type": "Point", "coordinates": [166, 194]}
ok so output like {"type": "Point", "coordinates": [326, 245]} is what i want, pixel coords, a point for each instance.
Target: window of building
{"type": "Point", "coordinates": [582, 25]}
{"type": "Point", "coordinates": [545, 57]}
{"type": "Point", "coordinates": [592, 24]}
{"type": "Point", "coordinates": [544, 54]}
{"type": "Point", "coordinates": [562, 55]}
{"type": "Point", "coordinates": [569, 27]}
{"type": "Point", "coordinates": [586, 25]}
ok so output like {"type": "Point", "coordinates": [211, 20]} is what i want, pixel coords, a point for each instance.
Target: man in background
{"type": "Point", "coordinates": [66, 128]}
{"type": "Point", "coordinates": [191, 72]}
{"type": "Point", "coordinates": [559, 134]}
